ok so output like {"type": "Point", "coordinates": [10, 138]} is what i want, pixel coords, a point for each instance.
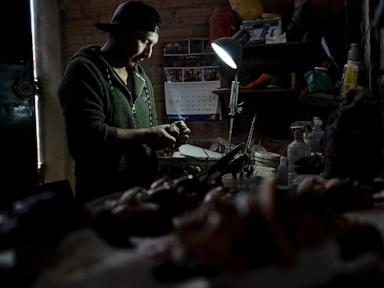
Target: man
{"type": "Point", "coordinates": [109, 107]}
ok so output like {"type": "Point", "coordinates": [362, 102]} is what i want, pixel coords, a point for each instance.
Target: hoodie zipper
{"type": "Point", "coordinates": [147, 98]}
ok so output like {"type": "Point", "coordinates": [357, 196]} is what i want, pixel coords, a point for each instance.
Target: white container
{"type": "Point", "coordinates": [266, 163]}
{"type": "Point", "coordinates": [266, 158]}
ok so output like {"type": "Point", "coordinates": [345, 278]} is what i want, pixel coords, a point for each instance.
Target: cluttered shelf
{"type": "Point", "coordinates": [290, 56]}
{"type": "Point", "coordinates": [271, 80]}
{"type": "Point", "coordinates": [284, 63]}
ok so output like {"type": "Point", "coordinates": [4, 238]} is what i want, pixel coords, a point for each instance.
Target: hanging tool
{"type": "Point", "coordinates": [248, 167]}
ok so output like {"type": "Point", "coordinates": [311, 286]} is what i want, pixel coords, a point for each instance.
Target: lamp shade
{"type": "Point", "coordinates": [229, 49]}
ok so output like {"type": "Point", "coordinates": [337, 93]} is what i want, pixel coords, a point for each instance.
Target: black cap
{"type": "Point", "coordinates": [133, 15]}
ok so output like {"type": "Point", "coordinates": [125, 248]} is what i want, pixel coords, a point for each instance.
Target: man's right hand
{"type": "Point", "coordinates": [157, 137]}
{"type": "Point", "coordinates": [180, 131]}
{"type": "Point", "coordinates": [160, 137]}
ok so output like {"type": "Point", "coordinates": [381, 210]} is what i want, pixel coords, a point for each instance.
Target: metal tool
{"type": "Point", "coordinates": [248, 167]}
{"type": "Point", "coordinates": [249, 142]}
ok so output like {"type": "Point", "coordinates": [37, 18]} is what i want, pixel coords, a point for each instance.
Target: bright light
{"type": "Point", "coordinates": [40, 160]}
{"type": "Point", "coordinates": [224, 55]}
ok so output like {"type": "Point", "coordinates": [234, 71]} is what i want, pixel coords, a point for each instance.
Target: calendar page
{"type": "Point", "coordinates": [191, 73]}
{"type": "Point", "coordinates": [194, 98]}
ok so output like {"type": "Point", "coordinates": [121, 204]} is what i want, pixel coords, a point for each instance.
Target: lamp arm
{"type": "Point", "coordinates": [233, 100]}
{"type": "Point", "coordinates": [233, 107]}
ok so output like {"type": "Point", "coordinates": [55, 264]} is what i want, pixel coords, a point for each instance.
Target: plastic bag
{"type": "Point", "coordinates": [247, 9]}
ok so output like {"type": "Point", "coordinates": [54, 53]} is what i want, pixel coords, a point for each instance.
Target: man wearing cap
{"type": "Point", "coordinates": [109, 107]}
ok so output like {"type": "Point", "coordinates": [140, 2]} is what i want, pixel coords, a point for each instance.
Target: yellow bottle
{"type": "Point", "coordinates": [352, 69]}
{"type": "Point", "coordinates": [350, 78]}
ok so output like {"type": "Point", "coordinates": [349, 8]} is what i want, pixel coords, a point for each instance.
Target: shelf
{"type": "Point", "coordinates": [292, 47]}
{"type": "Point", "coordinates": [280, 58]}
{"type": "Point", "coordinates": [276, 108]}
{"type": "Point", "coordinates": [320, 99]}
{"type": "Point", "coordinates": [260, 99]}
{"type": "Point", "coordinates": [245, 92]}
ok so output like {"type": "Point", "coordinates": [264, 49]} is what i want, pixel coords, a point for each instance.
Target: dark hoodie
{"type": "Point", "coordinates": [94, 102]}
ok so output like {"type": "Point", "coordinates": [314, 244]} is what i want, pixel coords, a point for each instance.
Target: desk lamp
{"type": "Point", "coordinates": [229, 49]}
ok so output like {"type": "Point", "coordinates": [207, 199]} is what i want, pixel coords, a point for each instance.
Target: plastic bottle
{"type": "Point", "coordinates": [315, 138]}
{"type": "Point", "coordinates": [296, 149]}
{"type": "Point", "coordinates": [352, 69]}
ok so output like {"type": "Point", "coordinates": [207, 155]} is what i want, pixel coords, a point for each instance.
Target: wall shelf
{"type": "Point", "coordinates": [254, 98]}
{"type": "Point", "coordinates": [276, 109]}
{"type": "Point", "coordinates": [280, 58]}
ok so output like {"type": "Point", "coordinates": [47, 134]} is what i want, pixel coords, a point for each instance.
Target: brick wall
{"type": "Point", "coordinates": [181, 19]}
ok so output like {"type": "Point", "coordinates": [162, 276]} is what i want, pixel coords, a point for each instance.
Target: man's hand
{"type": "Point", "coordinates": [161, 136]}
{"type": "Point", "coordinates": [180, 131]}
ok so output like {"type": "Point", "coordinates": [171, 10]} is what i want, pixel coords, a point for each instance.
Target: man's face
{"type": "Point", "coordinates": [140, 45]}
